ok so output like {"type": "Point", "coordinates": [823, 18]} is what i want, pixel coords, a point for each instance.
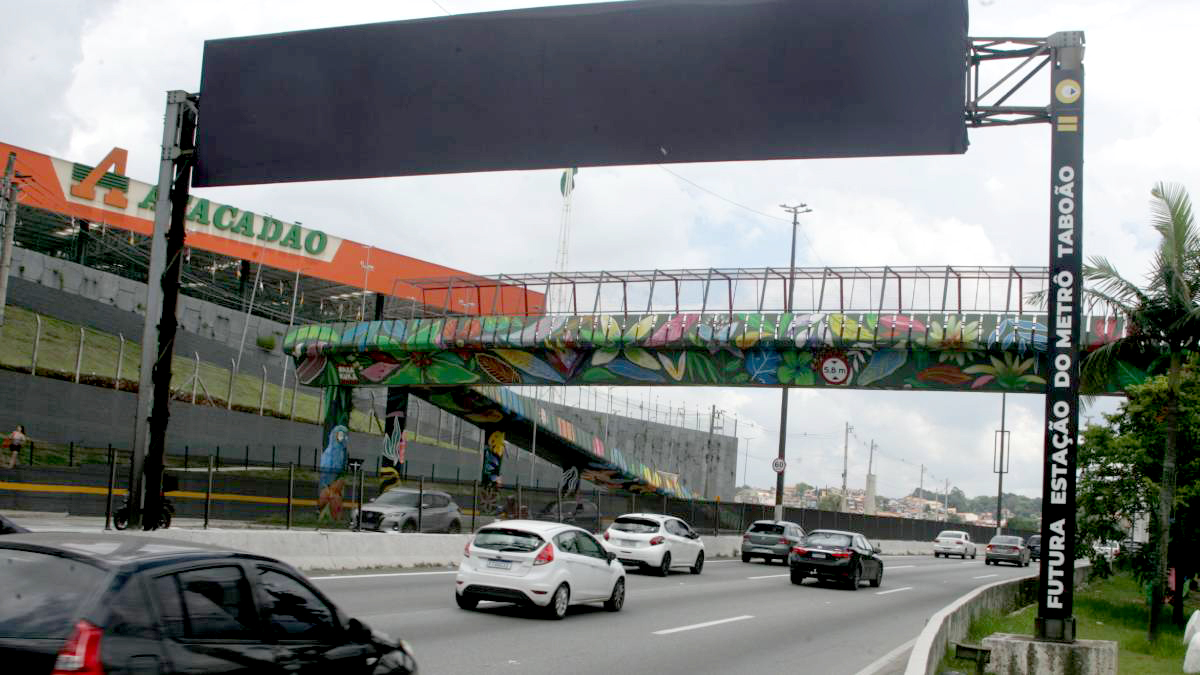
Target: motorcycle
{"type": "Point", "coordinates": [121, 515]}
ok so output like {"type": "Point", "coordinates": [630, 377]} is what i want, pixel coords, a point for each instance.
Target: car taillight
{"type": "Point", "coordinates": [746, 536]}
{"type": "Point", "coordinates": [606, 535]}
{"type": "Point", "coordinates": [546, 556]}
{"type": "Point", "coordinates": [784, 541]}
{"type": "Point", "coordinates": [799, 550]}
{"type": "Point", "coordinates": [841, 554]}
{"type": "Point", "coordinates": [989, 547]}
{"type": "Point", "coordinates": [81, 653]}
{"type": "Point", "coordinates": [656, 541]}
{"type": "Point", "coordinates": [467, 549]}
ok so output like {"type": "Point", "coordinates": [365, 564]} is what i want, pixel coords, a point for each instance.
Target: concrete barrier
{"type": "Point", "coordinates": [950, 623]}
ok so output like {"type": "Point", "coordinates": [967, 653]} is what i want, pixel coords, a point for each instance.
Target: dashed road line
{"type": "Point", "coordinates": [986, 576]}
{"type": "Point", "coordinates": [770, 576]}
{"type": "Point", "coordinates": [376, 576]}
{"type": "Point", "coordinates": [895, 590]}
{"type": "Point", "coordinates": [706, 624]}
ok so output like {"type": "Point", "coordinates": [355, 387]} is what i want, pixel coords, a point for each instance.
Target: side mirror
{"type": "Point", "coordinates": [358, 631]}
{"type": "Point", "coordinates": [877, 547]}
{"type": "Point", "coordinates": [611, 556]}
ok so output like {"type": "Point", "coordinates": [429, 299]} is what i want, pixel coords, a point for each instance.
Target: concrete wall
{"type": "Point", "coordinates": [951, 623]}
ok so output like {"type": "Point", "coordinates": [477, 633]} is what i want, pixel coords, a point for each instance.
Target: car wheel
{"type": "Point", "coordinates": [557, 608]}
{"type": "Point", "coordinates": [665, 567]}
{"type": "Point", "coordinates": [878, 578]}
{"type": "Point", "coordinates": [1027, 563]}
{"type": "Point", "coordinates": [465, 601]}
{"type": "Point", "coordinates": [972, 554]}
{"type": "Point", "coordinates": [936, 554]}
{"type": "Point", "coordinates": [121, 519]}
{"type": "Point", "coordinates": [699, 563]}
{"type": "Point", "coordinates": [797, 577]}
{"type": "Point", "coordinates": [408, 527]}
{"type": "Point", "coordinates": [616, 601]}
{"type": "Point", "coordinates": [855, 578]}
{"type": "Point", "coordinates": [745, 557]}
{"type": "Point", "coordinates": [454, 528]}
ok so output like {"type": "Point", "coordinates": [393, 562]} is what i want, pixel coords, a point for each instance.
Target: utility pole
{"type": "Point", "coordinates": [946, 501]}
{"type": "Point", "coordinates": [1000, 459]}
{"type": "Point", "coordinates": [708, 451]}
{"type": "Point", "coordinates": [921, 489]}
{"type": "Point", "coordinates": [783, 404]}
{"type": "Point", "coordinates": [845, 464]}
{"type": "Point", "coordinates": [8, 218]}
{"type": "Point", "coordinates": [869, 502]}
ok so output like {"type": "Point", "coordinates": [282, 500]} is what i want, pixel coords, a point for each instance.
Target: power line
{"type": "Point", "coordinates": [439, 6]}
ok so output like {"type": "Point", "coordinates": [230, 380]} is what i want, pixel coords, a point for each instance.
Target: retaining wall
{"type": "Point", "coordinates": [951, 623]}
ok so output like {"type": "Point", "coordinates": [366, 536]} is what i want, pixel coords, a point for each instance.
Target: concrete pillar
{"type": "Point", "coordinates": [869, 503]}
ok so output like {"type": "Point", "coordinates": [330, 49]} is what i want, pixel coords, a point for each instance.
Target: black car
{"type": "Point", "coordinates": [97, 604]}
{"type": "Point", "coordinates": [1034, 544]}
{"type": "Point", "coordinates": [834, 555]}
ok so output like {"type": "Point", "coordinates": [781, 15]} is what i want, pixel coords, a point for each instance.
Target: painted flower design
{"type": "Point", "coordinates": [957, 341]}
{"type": "Point", "coordinates": [1009, 372]}
{"type": "Point", "coordinates": [797, 369]}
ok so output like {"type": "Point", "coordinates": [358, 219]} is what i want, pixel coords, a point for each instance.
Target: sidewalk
{"type": "Point", "coordinates": [44, 521]}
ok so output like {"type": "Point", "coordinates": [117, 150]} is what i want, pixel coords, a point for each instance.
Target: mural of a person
{"type": "Point", "coordinates": [331, 478]}
{"type": "Point", "coordinates": [489, 481]}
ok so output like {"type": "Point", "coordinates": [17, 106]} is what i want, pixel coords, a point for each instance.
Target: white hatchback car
{"type": "Point", "coordinates": [953, 542]}
{"type": "Point", "coordinates": [545, 565]}
{"type": "Point", "coordinates": [657, 542]}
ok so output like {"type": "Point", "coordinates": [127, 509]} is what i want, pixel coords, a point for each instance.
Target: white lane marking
{"type": "Point", "coordinates": [376, 576]}
{"type": "Point", "coordinates": [879, 664]}
{"type": "Point", "coordinates": [706, 624]}
{"type": "Point", "coordinates": [895, 590]}
{"type": "Point", "coordinates": [986, 576]}
{"type": "Point", "coordinates": [898, 567]}
{"type": "Point", "coordinates": [770, 576]}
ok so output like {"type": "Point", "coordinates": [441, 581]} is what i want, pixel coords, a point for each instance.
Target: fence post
{"type": "Point", "coordinates": [742, 518]}
{"type": "Point", "coordinates": [232, 377]}
{"type": "Point", "coordinates": [246, 462]}
{"type": "Point", "coordinates": [292, 412]}
{"type": "Point", "coordinates": [291, 491]}
{"type": "Point", "coordinates": [664, 511]}
{"type": "Point", "coordinates": [120, 359]}
{"type": "Point", "coordinates": [185, 458]}
{"type": "Point", "coordinates": [433, 472]}
{"type": "Point", "coordinates": [518, 515]}
{"type": "Point", "coordinates": [358, 511]}
{"type": "Point", "coordinates": [208, 491]}
{"type": "Point", "coordinates": [37, 341]}
{"type": "Point", "coordinates": [420, 503]}
{"type": "Point", "coordinates": [218, 457]}
{"type": "Point", "coordinates": [112, 479]}
{"type": "Point", "coordinates": [474, 502]}
{"type": "Point", "coordinates": [79, 355]}
{"type": "Point", "coordinates": [315, 451]}
{"type": "Point", "coordinates": [71, 454]}
{"type": "Point", "coordinates": [634, 509]}
{"type": "Point", "coordinates": [272, 457]}
{"type": "Point", "coordinates": [299, 458]}
{"type": "Point", "coordinates": [692, 520]}
{"type": "Point", "coordinates": [30, 453]}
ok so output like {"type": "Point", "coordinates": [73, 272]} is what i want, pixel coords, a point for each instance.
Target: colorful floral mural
{"type": "Point", "coordinates": [987, 352]}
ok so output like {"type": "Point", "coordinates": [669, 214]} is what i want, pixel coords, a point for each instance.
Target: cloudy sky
{"type": "Point", "coordinates": [83, 77]}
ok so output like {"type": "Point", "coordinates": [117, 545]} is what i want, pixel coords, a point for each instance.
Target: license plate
{"type": "Point", "coordinates": [500, 564]}
{"type": "Point", "coordinates": [819, 555]}
{"type": "Point", "coordinates": [626, 542]}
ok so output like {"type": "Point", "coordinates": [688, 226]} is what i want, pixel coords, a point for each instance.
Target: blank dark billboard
{"type": "Point", "coordinates": [655, 81]}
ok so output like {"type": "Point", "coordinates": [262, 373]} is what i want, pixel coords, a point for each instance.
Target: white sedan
{"type": "Point", "coordinates": [657, 542]}
{"type": "Point", "coordinates": [549, 566]}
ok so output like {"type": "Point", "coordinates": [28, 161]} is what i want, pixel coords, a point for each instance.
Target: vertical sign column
{"type": "Point", "coordinates": [394, 444]}
{"type": "Point", "coordinates": [1055, 619]}
{"type": "Point", "coordinates": [331, 476]}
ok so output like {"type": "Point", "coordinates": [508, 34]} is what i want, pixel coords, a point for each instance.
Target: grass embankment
{"type": "Point", "coordinates": [1112, 609]}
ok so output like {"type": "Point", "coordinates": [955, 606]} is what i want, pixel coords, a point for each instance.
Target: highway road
{"type": "Point", "coordinates": [734, 618]}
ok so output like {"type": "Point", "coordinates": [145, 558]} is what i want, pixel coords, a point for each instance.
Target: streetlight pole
{"type": "Point", "coordinates": [783, 406]}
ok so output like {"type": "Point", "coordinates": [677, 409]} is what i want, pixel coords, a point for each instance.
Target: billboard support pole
{"type": "Point", "coordinates": [162, 292]}
{"type": "Point", "coordinates": [1055, 619]}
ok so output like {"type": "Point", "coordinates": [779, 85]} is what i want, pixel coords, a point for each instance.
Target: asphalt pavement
{"type": "Point", "coordinates": [733, 618]}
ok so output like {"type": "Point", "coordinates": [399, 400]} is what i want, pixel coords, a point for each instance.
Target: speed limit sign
{"type": "Point", "coordinates": [777, 465]}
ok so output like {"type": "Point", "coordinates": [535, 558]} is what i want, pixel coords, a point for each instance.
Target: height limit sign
{"type": "Point", "coordinates": [778, 465]}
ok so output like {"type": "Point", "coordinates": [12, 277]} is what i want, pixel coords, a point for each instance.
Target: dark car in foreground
{"type": "Point", "coordinates": [770, 540]}
{"type": "Point", "coordinates": [1005, 548]}
{"type": "Point", "coordinates": [1034, 544]}
{"type": "Point", "coordinates": [835, 555]}
{"type": "Point", "coordinates": [94, 604]}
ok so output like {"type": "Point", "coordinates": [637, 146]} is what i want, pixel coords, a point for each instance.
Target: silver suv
{"type": "Point", "coordinates": [396, 511]}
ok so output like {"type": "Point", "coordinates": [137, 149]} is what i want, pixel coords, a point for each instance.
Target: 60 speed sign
{"type": "Point", "coordinates": [778, 464]}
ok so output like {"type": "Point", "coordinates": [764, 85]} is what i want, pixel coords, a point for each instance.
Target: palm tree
{"type": "Point", "coordinates": [1163, 327]}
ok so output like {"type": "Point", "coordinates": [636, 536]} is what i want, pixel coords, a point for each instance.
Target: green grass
{"type": "Point", "coordinates": [1113, 609]}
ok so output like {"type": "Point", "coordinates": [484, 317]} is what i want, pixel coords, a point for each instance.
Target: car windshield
{"type": "Point", "coordinates": [952, 535]}
{"type": "Point", "coordinates": [504, 539]}
{"type": "Point", "coordinates": [1006, 541]}
{"type": "Point", "coordinates": [635, 525]}
{"type": "Point", "coordinates": [40, 593]}
{"type": "Point", "coordinates": [397, 498]}
{"type": "Point", "coordinates": [827, 539]}
{"type": "Point", "coordinates": [766, 528]}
